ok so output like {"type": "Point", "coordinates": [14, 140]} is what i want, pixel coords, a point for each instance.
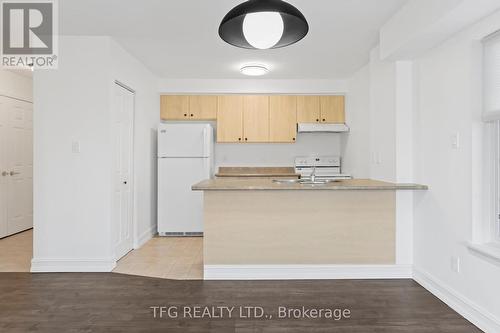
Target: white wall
{"type": "Point", "coordinates": [389, 137]}
{"type": "Point", "coordinates": [355, 144]}
{"type": "Point", "coordinates": [251, 86]}
{"type": "Point", "coordinates": [448, 103]}
{"type": "Point", "coordinates": [72, 191]}
{"type": "Point", "coordinates": [382, 118]}
{"type": "Point", "coordinates": [423, 24]}
{"type": "Point", "coordinates": [16, 85]}
{"type": "Point", "coordinates": [307, 144]}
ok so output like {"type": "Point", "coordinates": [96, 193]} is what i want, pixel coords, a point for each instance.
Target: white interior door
{"type": "Point", "coordinates": [3, 168]}
{"type": "Point", "coordinates": [122, 202]}
{"type": "Point", "coordinates": [16, 166]}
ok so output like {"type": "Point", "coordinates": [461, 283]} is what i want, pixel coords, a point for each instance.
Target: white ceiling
{"type": "Point", "coordinates": [179, 39]}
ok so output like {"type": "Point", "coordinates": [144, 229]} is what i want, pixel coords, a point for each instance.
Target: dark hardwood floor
{"type": "Point", "coordinates": [88, 302]}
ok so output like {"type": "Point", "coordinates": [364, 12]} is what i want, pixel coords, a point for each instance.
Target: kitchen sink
{"type": "Point", "coordinates": [303, 181]}
{"type": "Point", "coordinates": [286, 181]}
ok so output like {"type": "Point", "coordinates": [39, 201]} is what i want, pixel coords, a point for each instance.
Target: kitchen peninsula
{"type": "Point", "coordinates": [264, 222]}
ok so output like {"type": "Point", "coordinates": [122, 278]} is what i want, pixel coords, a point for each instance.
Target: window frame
{"type": "Point", "coordinates": [495, 227]}
{"type": "Point", "coordinates": [485, 237]}
{"type": "Point", "coordinates": [491, 121]}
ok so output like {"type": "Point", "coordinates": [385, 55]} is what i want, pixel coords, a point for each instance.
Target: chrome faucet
{"type": "Point", "coordinates": [313, 174]}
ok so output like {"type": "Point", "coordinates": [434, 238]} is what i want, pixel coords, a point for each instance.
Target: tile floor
{"type": "Point", "coordinates": [166, 257]}
{"type": "Point", "coordinates": [16, 252]}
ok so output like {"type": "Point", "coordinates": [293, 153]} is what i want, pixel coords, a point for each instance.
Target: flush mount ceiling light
{"type": "Point", "coordinates": [263, 24]}
{"type": "Point", "coordinates": [254, 70]}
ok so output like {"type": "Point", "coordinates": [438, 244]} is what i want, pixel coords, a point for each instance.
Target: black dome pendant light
{"type": "Point", "coordinates": [263, 24]}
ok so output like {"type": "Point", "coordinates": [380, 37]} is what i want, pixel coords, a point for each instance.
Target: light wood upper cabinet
{"type": "Point", "coordinates": [203, 107]}
{"type": "Point", "coordinates": [282, 118]}
{"type": "Point", "coordinates": [308, 109]}
{"type": "Point", "coordinates": [174, 107]}
{"type": "Point", "coordinates": [230, 119]}
{"type": "Point", "coordinates": [332, 109]}
{"type": "Point", "coordinates": [256, 118]}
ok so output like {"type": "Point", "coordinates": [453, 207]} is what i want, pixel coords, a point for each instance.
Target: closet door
{"type": "Point", "coordinates": [3, 168]}
{"type": "Point", "coordinates": [123, 187]}
{"type": "Point", "coordinates": [17, 168]}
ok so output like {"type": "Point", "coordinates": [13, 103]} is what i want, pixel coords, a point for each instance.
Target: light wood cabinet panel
{"type": "Point", "coordinates": [203, 107]}
{"type": "Point", "coordinates": [230, 119]}
{"type": "Point", "coordinates": [308, 109]}
{"type": "Point", "coordinates": [332, 109]}
{"type": "Point", "coordinates": [174, 107]}
{"type": "Point", "coordinates": [282, 118]}
{"type": "Point", "coordinates": [256, 118]}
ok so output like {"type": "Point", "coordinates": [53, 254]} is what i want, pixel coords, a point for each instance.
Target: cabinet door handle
{"type": "Point", "coordinates": [192, 115]}
{"type": "Point", "coordinates": [246, 139]}
{"type": "Point", "coordinates": [5, 173]}
{"type": "Point", "coordinates": [185, 115]}
{"type": "Point", "coordinates": [239, 139]}
{"type": "Point", "coordinates": [293, 139]}
{"type": "Point", "coordinates": [13, 173]}
{"type": "Point", "coordinates": [317, 120]}
{"type": "Point", "coordinates": [324, 119]}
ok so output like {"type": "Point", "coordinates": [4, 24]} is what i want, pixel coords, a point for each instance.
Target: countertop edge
{"type": "Point", "coordinates": [253, 175]}
{"type": "Point", "coordinates": [396, 187]}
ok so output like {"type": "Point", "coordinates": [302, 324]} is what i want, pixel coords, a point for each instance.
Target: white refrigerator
{"type": "Point", "coordinates": [185, 157]}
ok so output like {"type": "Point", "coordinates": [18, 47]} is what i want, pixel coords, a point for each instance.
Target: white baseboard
{"type": "Point", "coordinates": [465, 307]}
{"type": "Point", "coordinates": [145, 237]}
{"type": "Point", "coordinates": [306, 272]}
{"type": "Point", "coordinates": [72, 265]}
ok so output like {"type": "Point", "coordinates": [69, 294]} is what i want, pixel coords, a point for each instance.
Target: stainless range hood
{"type": "Point", "coordinates": [322, 128]}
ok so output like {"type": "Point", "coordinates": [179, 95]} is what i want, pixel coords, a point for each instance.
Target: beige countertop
{"type": "Point", "coordinates": [238, 184]}
{"type": "Point", "coordinates": [257, 172]}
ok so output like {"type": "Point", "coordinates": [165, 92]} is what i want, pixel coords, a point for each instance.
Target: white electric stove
{"type": "Point", "coordinates": [323, 167]}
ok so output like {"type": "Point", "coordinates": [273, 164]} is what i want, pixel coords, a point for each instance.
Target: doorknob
{"type": "Point", "coordinates": [12, 173]}
{"type": "Point", "coordinates": [5, 173]}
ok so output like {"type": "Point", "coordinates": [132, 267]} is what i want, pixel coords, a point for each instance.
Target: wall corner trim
{"type": "Point", "coordinates": [306, 272]}
{"type": "Point", "coordinates": [458, 302]}
{"type": "Point", "coordinates": [144, 237]}
{"type": "Point", "coordinates": [56, 265]}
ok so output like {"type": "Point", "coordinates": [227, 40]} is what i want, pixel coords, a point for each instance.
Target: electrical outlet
{"type": "Point", "coordinates": [455, 141]}
{"type": "Point", "coordinates": [455, 264]}
{"type": "Point", "coordinates": [75, 147]}
{"type": "Point", "coordinates": [376, 157]}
